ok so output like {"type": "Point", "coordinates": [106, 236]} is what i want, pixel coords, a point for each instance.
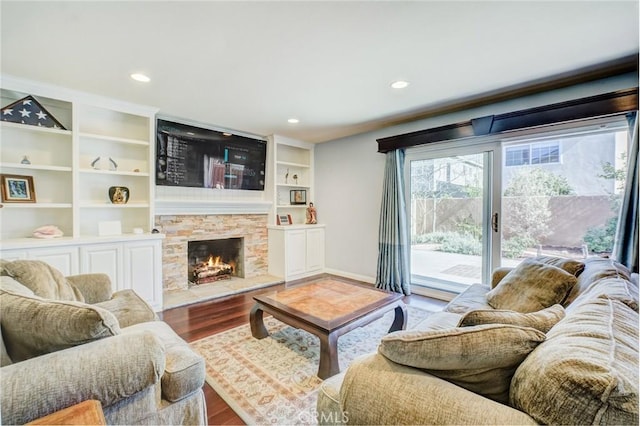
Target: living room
{"type": "Point", "coordinates": [253, 66]}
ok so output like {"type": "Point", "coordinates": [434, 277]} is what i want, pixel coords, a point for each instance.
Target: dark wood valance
{"type": "Point", "coordinates": [594, 106]}
{"type": "Point", "coordinates": [590, 107]}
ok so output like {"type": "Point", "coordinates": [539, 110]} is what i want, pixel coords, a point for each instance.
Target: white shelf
{"type": "Point", "coordinates": [35, 167]}
{"type": "Point", "coordinates": [114, 172]}
{"type": "Point", "coordinates": [31, 128]}
{"type": "Point", "coordinates": [292, 206]}
{"type": "Point", "coordinates": [114, 139]}
{"type": "Point", "coordinates": [292, 185]}
{"type": "Point", "coordinates": [289, 164]}
{"type": "Point", "coordinates": [107, 205]}
{"type": "Point", "coordinates": [37, 205]}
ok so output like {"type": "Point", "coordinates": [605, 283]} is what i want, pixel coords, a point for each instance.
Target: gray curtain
{"type": "Point", "coordinates": [626, 242]}
{"type": "Point", "coordinates": [393, 238]}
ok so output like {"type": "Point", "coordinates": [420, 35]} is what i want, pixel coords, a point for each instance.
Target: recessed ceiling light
{"type": "Point", "coordinates": [140, 77]}
{"type": "Point", "coordinates": [400, 84]}
{"type": "Point", "coordinates": [226, 134]}
{"type": "Point", "coordinates": [293, 121]}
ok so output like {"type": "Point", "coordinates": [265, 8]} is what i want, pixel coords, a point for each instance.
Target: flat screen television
{"type": "Point", "coordinates": [194, 156]}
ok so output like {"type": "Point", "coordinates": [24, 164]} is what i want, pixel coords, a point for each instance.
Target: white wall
{"type": "Point", "coordinates": [349, 172]}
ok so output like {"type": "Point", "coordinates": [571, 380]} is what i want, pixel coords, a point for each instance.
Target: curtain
{"type": "Point", "coordinates": [393, 237]}
{"type": "Point", "coordinates": [626, 241]}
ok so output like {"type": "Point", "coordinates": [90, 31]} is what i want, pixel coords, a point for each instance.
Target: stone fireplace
{"type": "Point", "coordinates": [248, 231]}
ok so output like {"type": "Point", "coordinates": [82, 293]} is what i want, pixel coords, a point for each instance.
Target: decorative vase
{"type": "Point", "coordinates": [119, 194]}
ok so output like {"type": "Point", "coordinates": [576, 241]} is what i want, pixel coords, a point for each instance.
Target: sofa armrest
{"type": "Point", "coordinates": [94, 287]}
{"type": "Point", "coordinates": [108, 370]}
{"type": "Point", "coordinates": [378, 391]}
{"type": "Point", "coordinates": [498, 274]}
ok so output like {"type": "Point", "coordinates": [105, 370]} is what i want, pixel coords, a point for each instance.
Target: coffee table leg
{"type": "Point", "coordinates": [258, 330]}
{"type": "Point", "coordinates": [329, 365]}
{"type": "Point", "coordinates": [400, 320]}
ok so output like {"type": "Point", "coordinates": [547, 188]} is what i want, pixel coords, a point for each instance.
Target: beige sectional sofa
{"type": "Point", "coordinates": [551, 341]}
{"type": "Point", "coordinates": [70, 339]}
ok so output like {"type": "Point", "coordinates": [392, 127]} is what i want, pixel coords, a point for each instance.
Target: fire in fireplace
{"type": "Point", "coordinates": [214, 260]}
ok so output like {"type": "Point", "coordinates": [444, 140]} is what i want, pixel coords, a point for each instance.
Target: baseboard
{"type": "Point", "coordinates": [433, 293]}
{"type": "Point", "coordinates": [357, 277]}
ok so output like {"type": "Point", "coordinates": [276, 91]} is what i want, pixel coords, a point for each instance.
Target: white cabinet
{"type": "Point", "coordinates": [130, 263]}
{"type": "Point", "coordinates": [296, 251]}
{"type": "Point", "coordinates": [143, 270]}
{"type": "Point", "coordinates": [105, 259]}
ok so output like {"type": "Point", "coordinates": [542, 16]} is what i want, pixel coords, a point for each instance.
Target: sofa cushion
{"type": "Point", "coordinates": [530, 287]}
{"type": "Point", "coordinates": [32, 326]}
{"type": "Point", "coordinates": [596, 269]}
{"type": "Point", "coordinates": [9, 284]}
{"type": "Point", "coordinates": [474, 297]}
{"type": "Point", "coordinates": [611, 288]}
{"type": "Point", "coordinates": [184, 372]}
{"type": "Point", "coordinates": [128, 308]}
{"type": "Point", "coordinates": [542, 320]}
{"type": "Point", "coordinates": [481, 358]}
{"type": "Point", "coordinates": [43, 279]}
{"type": "Point", "coordinates": [572, 266]}
{"type": "Point", "coordinates": [586, 372]}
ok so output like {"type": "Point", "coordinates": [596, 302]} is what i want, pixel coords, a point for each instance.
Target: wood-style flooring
{"type": "Point", "coordinates": [203, 319]}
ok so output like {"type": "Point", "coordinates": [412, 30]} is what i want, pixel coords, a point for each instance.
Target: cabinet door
{"type": "Point", "coordinates": [64, 259]}
{"type": "Point", "coordinates": [143, 270]}
{"type": "Point", "coordinates": [315, 250]}
{"type": "Point", "coordinates": [10, 255]}
{"type": "Point", "coordinates": [106, 259]}
{"type": "Point", "coordinates": [296, 252]}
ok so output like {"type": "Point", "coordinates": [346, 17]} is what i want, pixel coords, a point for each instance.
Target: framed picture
{"type": "Point", "coordinates": [17, 189]}
{"type": "Point", "coordinates": [284, 219]}
{"type": "Point", "coordinates": [298, 196]}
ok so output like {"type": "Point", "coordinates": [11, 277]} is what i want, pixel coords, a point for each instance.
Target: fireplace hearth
{"type": "Point", "coordinates": [214, 260]}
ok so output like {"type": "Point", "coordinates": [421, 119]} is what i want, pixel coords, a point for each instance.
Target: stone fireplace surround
{"type": "Point", "coordinates": [180, 229]}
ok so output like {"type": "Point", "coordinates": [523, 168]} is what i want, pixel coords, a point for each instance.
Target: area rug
{"type": "Point", "coordinates": [273, 380]}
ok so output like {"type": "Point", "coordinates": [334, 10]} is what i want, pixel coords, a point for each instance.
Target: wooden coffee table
{"type": "Point", "coordinates": [327, 309]}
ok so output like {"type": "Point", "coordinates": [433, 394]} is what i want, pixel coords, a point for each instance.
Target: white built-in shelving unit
{"type": "Point", "coordinates": [71, 188]}
{"type": "Point", "coordinates": [296, 250]}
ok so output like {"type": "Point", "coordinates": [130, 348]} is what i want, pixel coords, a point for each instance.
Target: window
{"type": "Point", "coordinates": [535, 153]}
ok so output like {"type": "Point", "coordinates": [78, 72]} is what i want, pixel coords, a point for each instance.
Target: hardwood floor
{"type": "Point", "coordinates": [203, 319]}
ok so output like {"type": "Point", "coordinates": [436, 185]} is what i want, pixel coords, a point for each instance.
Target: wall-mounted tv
{"type": "Point", "coordinates": [194, 156]}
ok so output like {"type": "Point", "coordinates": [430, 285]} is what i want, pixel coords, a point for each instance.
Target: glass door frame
{"type": "Point", "coordinates": [491, 202]}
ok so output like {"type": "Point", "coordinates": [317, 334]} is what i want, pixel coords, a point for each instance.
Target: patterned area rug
{"type": "Point", "coordinates": [273, 380]}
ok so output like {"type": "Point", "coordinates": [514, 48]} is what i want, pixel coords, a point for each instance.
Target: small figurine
{"type": "Point", "coordinates": [295, 178]}
{"type": "Point", "coordinates": [286, 176]}
{"type": "Point", "coordinates": [311, 215]}
{"type": "Point", "coordinates": [94, 163]}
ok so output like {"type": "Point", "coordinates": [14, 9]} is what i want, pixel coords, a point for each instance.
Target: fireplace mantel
{"type": "Point", "coordinates": [166, 206]}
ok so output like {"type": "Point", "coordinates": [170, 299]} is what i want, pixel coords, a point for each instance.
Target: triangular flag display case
{"type": "Point", "coordinates": [29, 111]}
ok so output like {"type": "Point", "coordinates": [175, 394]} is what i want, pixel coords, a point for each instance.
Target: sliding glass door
{"type": "Point", "coordinates": [451, 206]}
{"type": "Point", "coordinates": [474, 206]}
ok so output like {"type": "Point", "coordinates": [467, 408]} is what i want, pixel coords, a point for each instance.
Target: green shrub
{"type": "Point", "coordinates": [599, 239]}
{"type": "Point", "coordinates": [461, 244]}
{"type": "Point", "coordinates": [514, 247]}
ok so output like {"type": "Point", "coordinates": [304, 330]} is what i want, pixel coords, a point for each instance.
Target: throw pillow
{"type": "Point", "coordinates": [572, 266]}
{"type": "Point", "coordinates": [32, 326]}
{"type": "Point", "coordinates": [482, 358]}
{"type": "Point", "coordinates": [43, 279]}
{"type": "Point", "coordinates": [542, 320]}
{"type": "Point", "coordinates": [586, 372]}
{"type": "Point", "coordinates": [530, 287]}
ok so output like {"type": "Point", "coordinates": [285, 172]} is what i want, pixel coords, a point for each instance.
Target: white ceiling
{"type": "Point", "coordinates": [249, 66]}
